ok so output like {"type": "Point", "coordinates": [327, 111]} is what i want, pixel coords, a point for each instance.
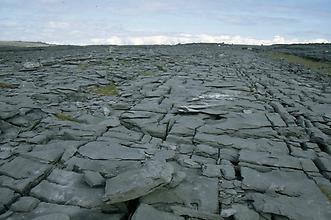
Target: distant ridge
{"type": "Point", "coordinates": [23, 44]}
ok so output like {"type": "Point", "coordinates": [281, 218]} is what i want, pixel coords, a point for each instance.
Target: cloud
{"type": "Point", "coordinates": [199, 38]}
{"type": "Point", "coordinates": [58, 24]}
{"type": "Point", "coordinates": [8, 23]}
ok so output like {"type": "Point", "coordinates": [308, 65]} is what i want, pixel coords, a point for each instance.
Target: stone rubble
{"type": "Point", "coordinates": [162, 132]}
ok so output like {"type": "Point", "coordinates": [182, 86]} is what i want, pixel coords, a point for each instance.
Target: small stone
{"type": "Point", "coordinates": [211, 170]}
{"type": "Point", "coordinates": [225, 213]}
{"type": "Point", "coordinates": [25, 204]}
{"type": "Point", "coordinates": [93, 179]}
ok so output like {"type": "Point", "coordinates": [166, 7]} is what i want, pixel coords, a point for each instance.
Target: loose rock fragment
{"type": "Point", "coordinates": [93, 179]}
{"type": "Point", "coordinates": [136, 183]}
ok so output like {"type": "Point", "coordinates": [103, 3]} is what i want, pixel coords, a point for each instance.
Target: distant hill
{"type": "Point", "coordinates": [23, 44]}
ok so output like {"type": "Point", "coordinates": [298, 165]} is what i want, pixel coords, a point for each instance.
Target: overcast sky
{"type": "Point", "coordinates": [165, 22]}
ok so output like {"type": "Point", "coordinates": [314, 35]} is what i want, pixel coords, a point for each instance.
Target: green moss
{"type": "Point", "coordinates": [147, 73]}
{"type": "Point", "coordinates": [4, 85]}
{"type": "Point", "coordinates": [64, 117]}
{"type": "Point", "coordinates": [161, 67]}
{"type": "Point", "coordinates": [109, 90]}
{"type": "Point", "coordinates": [326, 192]}
{"type": "Point", "coordinates": [307, 63]}
{"type": "Point", "coordinates": [83, 66]}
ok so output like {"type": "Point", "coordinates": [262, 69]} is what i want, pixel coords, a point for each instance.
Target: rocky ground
{"type": "Point", "coordinates": [162, 132]}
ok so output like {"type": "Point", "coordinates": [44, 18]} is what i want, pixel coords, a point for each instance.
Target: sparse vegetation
{"type": "Point", "coordinates": [161, 67]}
{"type": "Point", "coordinates": [82, 66]}
{"type": "Point", "coordinates": [323, 67]}
{"type": "Point", "coordinates": [108, 90]}
{"type": "Point", "coordinates": [147, 73]}
{"type": "Point", "coordinates": [326, 192]}
{"type": "Point", "coordinates": [4, 85]}
{"type": "Point", "coordinates": [64, 117]}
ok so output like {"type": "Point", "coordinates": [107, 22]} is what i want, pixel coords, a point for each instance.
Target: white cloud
{"type": "Point", "coordinates": [58, 24]}
{"type": "Point", "coordinates": [199, 38]}
{"type": "Point", "coordinates": [8, 23]}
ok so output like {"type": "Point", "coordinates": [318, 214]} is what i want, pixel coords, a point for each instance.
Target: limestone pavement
{"type": "Point", "coordinates": [162, 132]}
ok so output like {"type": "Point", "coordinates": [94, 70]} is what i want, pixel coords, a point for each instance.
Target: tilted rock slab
{"type": "Point", "coordinates": [136, 183]}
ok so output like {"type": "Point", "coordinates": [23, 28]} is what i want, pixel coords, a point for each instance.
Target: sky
{"type": "Point", "coordinates": [120, 22]}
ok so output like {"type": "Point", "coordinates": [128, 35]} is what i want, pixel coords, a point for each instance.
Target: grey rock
{"type": "Point", "coordinates": [136, 183]}
{"type": "Point", "coordinates": [292, 184]}
{"type": "Point", "coordinates": [244, 213]}
{"type": "Point", "coordinates": [24, 204]}
{"type": "Point", "coordinates": [53, 216]}
{"type": "Point", "coordinates": [69, 188]}
{"type": "Point", "coordinates": [285, 161]}
{"type": "Point", "coordinates": [148, 212]}
{"type": "Point", "coordinates": [324, 163]}
{"type": "Point", "coordinates": [74, 212]}
{"type": "Point", "coordinates": [291, 207]}
{"type": "Point", "coordinates": [30, 66]}
{"type": "Point", "coordinates": [109, 167]}
{"type": "Point", "coordinates": [195, 192]}
{"type": "Point", "coordinates": [275, 120]}
{"type": "Point", "coordinates": [227, 170]}
{"type": "Point", "coordinates": [225, 213]}
{"type": "Point", "coordinates": [177, 178]}
{"type": "Point", "coordinates": [93, 179]}
{"type": "Point", "coordinates": [7, 197]}
{"type": "Point", "coordinates": [20, 168]}
{"type": "Point", "coordinates": [211, 170]}
{"type": "Point", "coordinates": [108, 150]}
{"type": "Point", "coordinates": [182, 211]}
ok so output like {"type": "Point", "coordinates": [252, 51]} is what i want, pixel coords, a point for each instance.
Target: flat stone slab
{"type": "Point", "coordinates": [68, 188]}
{"type": "Point", "coordinates": [148, 212]}
{"type": "Point", "coordinates": [73, 212]}
{"type": "Point", "coordinates": [136, 183]}
{"type": "Point", "coordinates": [291, 207]}
{"type": "Point", "coordinates": [20, 168]}
{"type": "Point", "coordinates": [105, 150]}
{"type": "Point", "coordinates": [274, 160]}
{"type": "Point", "coordinates": [194, 192]}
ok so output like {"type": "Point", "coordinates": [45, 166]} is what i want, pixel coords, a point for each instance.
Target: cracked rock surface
{"type": "Point", "coordinates": [200, 131]}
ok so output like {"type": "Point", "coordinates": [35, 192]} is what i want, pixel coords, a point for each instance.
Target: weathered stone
{"type": "Point", "coordinates": [68, 187]}
{"type": "Point", "coordinates": [24, 204]}
{"type": "Point", "coordinates": [20, 168]}
{"type": "Point", "coordinates": [93, 179]}
{"type": "Point", "coordinates": [105, 150]}
{"type": "Point", "coordinates": [182, 211]}
{"type": "Point", "coordinates": [227, 170]}
{"type": "Point", "coordinates": [244, 213]}
{"type": "Point", "coordinates": [53, 216]}
{"type": "Point", "coordinates": [263, 158]}
{"type": "Point", "coordinates": [195, 191]}
{"type": "Point", "coordinates": [7, 197]}
{"type": "Point", "coordinates": [135, 183]}
{"type": "Point", "coordinates": [225, 213]}
{"type": "Point", "coordinates": [291, 207]}
{"type": "Point", "coordinates": [148, 212]}
{"type": "Point", "coordinates": [211, 170]}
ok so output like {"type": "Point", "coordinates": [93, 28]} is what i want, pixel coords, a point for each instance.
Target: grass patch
{"type": "Point", "coordinates": [147, 73]}
{"type": "Point", "coordinates": [109, 90]}
{"type": "Point", "coordinates": [82, 66]}
{"type": "Point", "coordinates": [161, 67]}
{"type": "Point", "coordinates": [326, 192]}
{"type": "Point", "coordinates": [307, 63]}
{"type": "Point", "coordinates": [4, 85]}
{"type": "Point", "coordinates": [64, 117]}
